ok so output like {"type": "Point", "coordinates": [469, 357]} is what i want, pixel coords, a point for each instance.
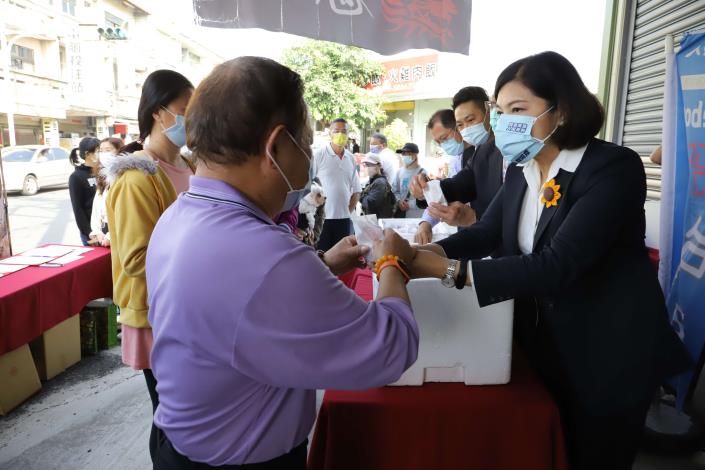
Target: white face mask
{"type": "Point", "coordinates": [106, 159]}
{"type": "Point", "coordinates": [294, 196]}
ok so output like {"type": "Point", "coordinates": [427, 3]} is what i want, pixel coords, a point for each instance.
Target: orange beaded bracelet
{"type": "Point", "coordinates": [383, 260]}
{"type": "Point", "coordinates": [394, 261]}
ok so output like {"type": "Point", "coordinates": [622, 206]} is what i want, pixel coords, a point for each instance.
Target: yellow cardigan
{"type": "Point", "coordinates": [139, 194]}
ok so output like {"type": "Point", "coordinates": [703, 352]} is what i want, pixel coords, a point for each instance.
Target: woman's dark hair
{"type": "Point", "coordinates": [236, 107]}
{"type": "Point", "coordinates": [116, 142]}
{"type": "Point", "coordinates": [445, 117]}
{"type": "Point", "coordinates": [552, 77]}
{"type": "Point", "coordinates": [159, 89]}
{"type": "Point", "coordinates": [476, 94]}
{"type": "Point", "coordinates": [87, 145]}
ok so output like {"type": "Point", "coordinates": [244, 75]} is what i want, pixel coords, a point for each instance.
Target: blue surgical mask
{"type": "Point", "coordinates": [375, 148]}
{"type": "Point", "coordinates": [176, 133]}
{"type": "Point", "coordinates": [408, 159]}
{"type": "Point", "coordinates": [452, 146]}
{"type": "Point", "coordinates": [513, 137]}
{"type": "Point", "coordinates": [294, 196]}
{"type": "Point", "coordinates": [493, 118]}
{"type": "Point", "coordinates": [475, 134]}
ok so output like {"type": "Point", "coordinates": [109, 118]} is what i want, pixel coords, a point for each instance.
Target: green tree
{"type": "Point", "coordinates": [397, 133]}
{"type": "Point", "coordinates": [335, 77]}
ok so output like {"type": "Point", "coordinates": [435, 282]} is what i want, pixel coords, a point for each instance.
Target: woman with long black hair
{"type": "Point", "coordinates": [144, 181]}
{"type": "Point", "coordinates": [82, 184]}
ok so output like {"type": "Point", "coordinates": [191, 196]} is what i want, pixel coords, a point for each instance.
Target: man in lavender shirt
{"type": "Point", "coordinates": [247, 320]}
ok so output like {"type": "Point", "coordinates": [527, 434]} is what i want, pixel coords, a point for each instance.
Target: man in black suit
{"type": "Point", "coordinates": [483, 168]}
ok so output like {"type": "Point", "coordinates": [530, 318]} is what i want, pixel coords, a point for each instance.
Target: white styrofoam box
{"type": "Point", "coordinates": [407, 228]}
{"type": "Point", "coordinates": [459, 341]}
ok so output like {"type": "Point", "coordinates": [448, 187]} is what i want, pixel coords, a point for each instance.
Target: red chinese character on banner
{"type": "Point", "coordinates": [420, 17]}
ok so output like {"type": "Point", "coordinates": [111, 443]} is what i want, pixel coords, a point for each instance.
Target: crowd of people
{"type": "Point", "coordinates": [225, 264]}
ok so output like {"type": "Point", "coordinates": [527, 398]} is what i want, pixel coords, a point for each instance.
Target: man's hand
{"type": "Point", "coordinates": [424, 234]}
{"type": "Point", "coordinates": [345, 256]}
{"type": "Point", "coordinates": [455, 213]}
{"type": "Point", "coordinates": [404, 205]}
{"type": "Point", "coordinates": [418, 184]}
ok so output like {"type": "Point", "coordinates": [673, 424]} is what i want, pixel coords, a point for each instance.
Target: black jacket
{"type": "Point", "coordinates": [82, 192]}
{"type": "Point", "coordinates": [479, 180]}
{"type": "Point", "coordinates": [377, 198]}
{"type": "Point", "coordinates": [589, 311]}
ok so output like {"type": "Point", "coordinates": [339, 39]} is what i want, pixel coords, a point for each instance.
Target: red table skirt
{"type": "Point", "coordinates": [439, 426]}
{"type": "Point", "coordinates": [36, 299]}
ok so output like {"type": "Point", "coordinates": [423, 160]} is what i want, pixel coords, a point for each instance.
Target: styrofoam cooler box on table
{"type": "Point", "coordinates": [458, 340]}
{"type": "Point", "coordinates": [407, 228]}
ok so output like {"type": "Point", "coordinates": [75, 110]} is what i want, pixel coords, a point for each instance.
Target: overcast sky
{"type": "Point", "coordinates": [502, 31]}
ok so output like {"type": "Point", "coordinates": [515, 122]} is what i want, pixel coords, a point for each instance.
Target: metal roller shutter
{"type": "Point", "coordinates": [653, 20]}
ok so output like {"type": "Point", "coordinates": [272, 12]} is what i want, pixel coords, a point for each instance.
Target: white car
{"type": "Point", "coordinates": [27, 168]}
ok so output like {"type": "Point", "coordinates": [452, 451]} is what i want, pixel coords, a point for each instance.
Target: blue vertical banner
{"type": "Point", "coordinates": [686, 297]}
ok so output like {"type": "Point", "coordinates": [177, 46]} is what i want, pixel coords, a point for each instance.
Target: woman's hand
{"type": "Point", "coordinates": [417, 185]}
{"type": "Point", "coordinates": [105, 242]}
{"type": "Point", "coordinates": [345, 256]}
{"type": "Point", "coordinates": [424, 234]}
{"type": "Point", "coordinates": [394, 245]}
{"type": "Point", "coordinates": [428, 263]}
{"type": "Point", "coordinates": [456, 213]}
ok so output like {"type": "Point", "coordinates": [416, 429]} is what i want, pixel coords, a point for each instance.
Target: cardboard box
{"type": "Point", "coordinates": [458, 340]}
{"type": "Point", "coordinates": [18, 377]}
{"type": "Point", "coordinates": [58, 348]}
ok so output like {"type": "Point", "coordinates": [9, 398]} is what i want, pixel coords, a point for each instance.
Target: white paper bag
{"type": "Point", "coordinates": [367, 232]}
{"type": "Point", "coordinates": [434, 193]}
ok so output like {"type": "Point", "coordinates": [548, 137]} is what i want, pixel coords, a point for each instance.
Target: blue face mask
{"type": "Point", "coordinates": [294, 196]}
{"type": "Point", "coordinates": [452, 146]}
{"type": "Point", "coordinates": [513, 137]}
{"type": "Point", "coordinates": [475, 134]}
{"type": "Point", "coordinates": [408, 159]}
{"type": "Point", "coordinates": [375, 148]}
{"type": "Point", "coordinates": [493, 118]}
{"type": "Point", "coordinates": [176, 133]}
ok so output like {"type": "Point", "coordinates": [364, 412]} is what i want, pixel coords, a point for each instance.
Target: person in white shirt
{"type": "Point", "coordinates": [390, 160]}
{"type": "Point", "coordinates": [335, 168]}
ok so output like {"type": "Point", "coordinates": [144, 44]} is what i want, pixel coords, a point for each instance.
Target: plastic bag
{"type": "Point", "coordinates": [367, 232]}
{"type": "Point", "coordinates": [434, 193]}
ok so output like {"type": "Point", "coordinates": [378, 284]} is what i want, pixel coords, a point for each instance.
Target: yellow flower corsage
{"type": "Point", "coordinates": [550, 194]}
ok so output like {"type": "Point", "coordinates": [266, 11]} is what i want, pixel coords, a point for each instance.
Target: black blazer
{"type": "Point", "coordinates": [479, 180]}
{"type": "Point", "coordinates": [589, 311]}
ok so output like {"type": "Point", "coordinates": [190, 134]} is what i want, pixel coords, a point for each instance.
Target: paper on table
{"type": "Point", "coordinates": [51, 251]}
{"type": "Point", "coordinates": [80, 251]}
{"type": "Point", "coordinates": [11, 268]}
{"type": "Point", "coordinates": [367, 232]}
{"type": "Point", "coordinates": [63, 261]}
{"type": "Point", "coordinates": [434, 193]}
{"type": "Point", "coordinates": [26, 260]}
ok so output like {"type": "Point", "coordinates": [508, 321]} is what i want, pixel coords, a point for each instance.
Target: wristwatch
{"type": "Point", "coordinates": [449, 277]}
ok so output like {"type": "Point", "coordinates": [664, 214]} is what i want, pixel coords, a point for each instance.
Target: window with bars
{"type": "Point", "coordinates": [22, 58]}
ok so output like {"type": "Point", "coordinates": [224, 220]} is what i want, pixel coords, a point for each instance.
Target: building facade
{"type": "Point", "coordinates": [76, 67]}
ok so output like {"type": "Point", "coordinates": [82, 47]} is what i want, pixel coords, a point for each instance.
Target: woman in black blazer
{"type": "Point", "coordinates": [569, 224]}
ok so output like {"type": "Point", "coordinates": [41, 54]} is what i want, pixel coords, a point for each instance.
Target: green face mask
{"type": "Point", "coordinates": [339, 139]}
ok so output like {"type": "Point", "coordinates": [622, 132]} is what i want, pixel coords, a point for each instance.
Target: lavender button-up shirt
{"type": "Point", "coordinates": [247, 322]}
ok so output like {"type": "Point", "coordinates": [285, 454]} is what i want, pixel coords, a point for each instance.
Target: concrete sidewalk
{"type": "Point", "coordinates": [97, 416]}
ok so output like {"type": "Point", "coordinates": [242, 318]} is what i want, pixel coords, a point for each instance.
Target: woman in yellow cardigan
{"type": "Point", "coordinates": [144, 180]}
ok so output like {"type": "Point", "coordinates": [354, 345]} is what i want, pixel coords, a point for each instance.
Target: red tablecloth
{"type": "Point", "coordinates": [440, 426]}
{"type": "Point", "coordinates": [36, 299]}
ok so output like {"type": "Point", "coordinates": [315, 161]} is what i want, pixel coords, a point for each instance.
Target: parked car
{"type": "Point", "coordinates": [27, 168]}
